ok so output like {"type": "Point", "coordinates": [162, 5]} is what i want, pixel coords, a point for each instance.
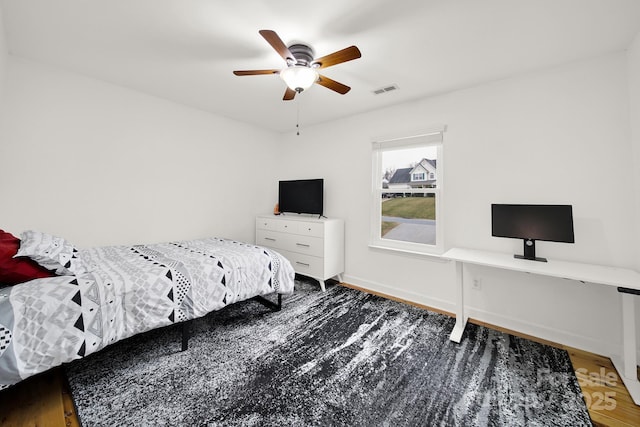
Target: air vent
{"type": "Point", "coordinates": [385, 89]}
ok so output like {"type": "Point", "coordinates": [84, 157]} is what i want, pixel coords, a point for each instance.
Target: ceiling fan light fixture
{"type": "Point", "coordinates": [299, 77]}
{"type": "Point", "coordinates": [302, 67]}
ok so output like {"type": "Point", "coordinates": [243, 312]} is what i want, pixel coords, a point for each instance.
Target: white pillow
{"type": "Point", "coordinates": [51, 252]}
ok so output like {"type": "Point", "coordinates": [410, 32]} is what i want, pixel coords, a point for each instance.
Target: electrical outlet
{"type": "Point", "coordinates": [477, 284]}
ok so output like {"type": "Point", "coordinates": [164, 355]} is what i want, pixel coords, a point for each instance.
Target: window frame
{"type": "Point", "coordinates": [433, 137]}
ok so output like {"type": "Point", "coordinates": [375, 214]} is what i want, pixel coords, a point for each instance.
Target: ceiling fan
{"type": "Point", "coordinates": [301, 70]}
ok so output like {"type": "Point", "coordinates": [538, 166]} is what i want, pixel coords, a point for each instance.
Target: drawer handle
{"type": "Point", "coordinates": [303, 245]}
{"type": "Point", "coordinates": [269, 238]}
{"type": "Point", "coordinates": [302, 263]}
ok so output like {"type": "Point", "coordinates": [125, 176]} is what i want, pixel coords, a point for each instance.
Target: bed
{"type": "Point", "coordinates": [102, 295]}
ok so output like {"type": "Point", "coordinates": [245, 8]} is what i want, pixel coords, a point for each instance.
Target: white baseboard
{"type": "Point", "coordinates": [537, 330]}
{"type": "Point", "coordinates": [399, 293]}
{"type": "Point", "coordinates": [540, 331]}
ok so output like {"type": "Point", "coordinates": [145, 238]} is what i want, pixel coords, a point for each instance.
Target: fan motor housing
{"type": "Point", "coordinates": [302, 53]}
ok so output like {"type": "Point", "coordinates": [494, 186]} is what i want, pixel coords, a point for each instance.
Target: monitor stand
{"type": "Point", "coordinates": [530, 251]}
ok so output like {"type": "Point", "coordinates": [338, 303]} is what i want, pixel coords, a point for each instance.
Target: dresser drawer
{"type": "Point", "coordinates": [305, 264]}
{"type": "Point", "coordinates": [291, 242]}
{"type": "Point", "coordinates": [266, 224]}
{"type": "Point", "coordinates": [315, 229]}
{"type": "Point", "coordinates": [273, 239]}
{"type": "Point", "coordinates": [306, 245]}
{"type": "Point", "coordinates": [287, 226]}
{"type": "Point", "coordinates": [270, 238]}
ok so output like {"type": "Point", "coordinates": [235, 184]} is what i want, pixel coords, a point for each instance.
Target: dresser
{"type": "Point", "coordinates": [315, 247]}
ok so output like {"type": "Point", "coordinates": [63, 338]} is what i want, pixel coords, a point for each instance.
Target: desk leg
{"type": "Point", "coordinates": [626, 366]}
{"type": "Point", "coordinates": [461, 318]}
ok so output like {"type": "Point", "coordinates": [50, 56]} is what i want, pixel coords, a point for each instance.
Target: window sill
{"type": "Point", "coordinates": [432, 256]}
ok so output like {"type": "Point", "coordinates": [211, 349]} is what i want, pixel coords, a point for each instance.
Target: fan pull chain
{"type": "Point", "coordinates": [298, 117]}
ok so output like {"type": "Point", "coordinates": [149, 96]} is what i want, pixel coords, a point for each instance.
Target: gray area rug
{"type": "Point", "coordinates": [339, 358]}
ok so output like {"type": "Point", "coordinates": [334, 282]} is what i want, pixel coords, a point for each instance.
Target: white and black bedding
{"type": "Point", "coordinates": [125, 290]}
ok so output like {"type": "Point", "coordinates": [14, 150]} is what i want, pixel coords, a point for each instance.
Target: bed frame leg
{"type": "Point", "coordinates": [186, 333]}
{"type": "Point", "coordinates": [272, 305]}
{"type": "Point", "coordinates": [186, 326]}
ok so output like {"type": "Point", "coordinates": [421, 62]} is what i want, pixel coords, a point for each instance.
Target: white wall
{"type": "Point", "coordinates": [3, 54]}
{"type": "Point", "coordinates": [634, 104]}
{"type": "Point", "coordinates": [101, 164]}
{"type": "Point", "coordinates": [555, 136]}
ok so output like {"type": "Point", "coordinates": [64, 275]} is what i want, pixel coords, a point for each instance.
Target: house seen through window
{"type": "Point", "coordinates": [406, 192]}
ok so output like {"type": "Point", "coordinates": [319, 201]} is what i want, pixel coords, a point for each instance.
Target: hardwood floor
{"type": "Point", "coordinates": [37, 401]}
{"type": "Point", "coordinates": [44, 400]}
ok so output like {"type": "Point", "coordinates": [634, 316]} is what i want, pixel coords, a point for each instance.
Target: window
{"type": "Point", "coordinates": [405, 215]}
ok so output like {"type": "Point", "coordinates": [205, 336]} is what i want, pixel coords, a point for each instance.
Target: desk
{"type": "Point", "coordinates": [627, 281]}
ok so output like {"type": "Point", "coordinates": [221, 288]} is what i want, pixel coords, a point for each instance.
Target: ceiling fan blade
{"type": "Point", "coordinates": [276, 42]}
{"type": "Point", "coordinates": [254, 72]}
{"type": "Point", "coordinates": [333, 85]}
{"type": "Point", "coordinates": [289, 94]}
{"type": "Point", "coordinates": [344, 55]}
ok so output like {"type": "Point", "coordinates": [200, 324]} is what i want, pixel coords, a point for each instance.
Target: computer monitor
{"type": "Point", "coordinates": [551, 223]}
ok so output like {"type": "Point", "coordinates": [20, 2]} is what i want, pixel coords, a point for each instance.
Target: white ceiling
{"type": "Point", "coordinates": [186, 50]}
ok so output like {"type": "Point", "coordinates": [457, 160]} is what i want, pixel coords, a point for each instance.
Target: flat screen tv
{"type": "Point", "coordinates": [303, 196]}
{"type": "Point", "coordinates": [551, 223]}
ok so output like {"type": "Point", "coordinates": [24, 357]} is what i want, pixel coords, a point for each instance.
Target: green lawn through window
{"type": "Point", "coordinates": [410, 207]}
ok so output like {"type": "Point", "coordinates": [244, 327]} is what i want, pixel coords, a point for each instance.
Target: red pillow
{"type": "Point", "coordinates": [17, 270]}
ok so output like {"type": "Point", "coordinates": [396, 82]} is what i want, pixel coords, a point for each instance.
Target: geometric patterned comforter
{"type": "Point", "coordinates": [128, 290]}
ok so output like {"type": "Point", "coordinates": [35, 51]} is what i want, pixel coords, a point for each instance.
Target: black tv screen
{"type": "Point", "coordinates": [552, 223]}
{"type": "Point", "coordinates": [301, 196]}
